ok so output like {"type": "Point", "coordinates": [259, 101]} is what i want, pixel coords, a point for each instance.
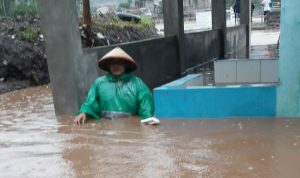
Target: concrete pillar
{"type": "Point", "coordinates": [288, 93]}
{"type": "Point", "coordinates": [219, 21]}
{"type": "Point", "coordinates": [246, 19]}
{"type": "Point", "coordinates": [218, 14]}
{"type": "Point", "coordinates": [64, 54]}
{"type": "Point", "coordinates": [174, 25]}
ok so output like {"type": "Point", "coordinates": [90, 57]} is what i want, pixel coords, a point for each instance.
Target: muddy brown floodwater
{"type": "Point", "coordinates": [33, 143]}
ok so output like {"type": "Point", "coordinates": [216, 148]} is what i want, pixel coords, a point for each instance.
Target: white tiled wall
{"type": "Point", "coordinates": [269, 71]}
{"type": "Point", "coordinates": [246, 71]}
{"type": "Point", "coordinates": [226, 71]}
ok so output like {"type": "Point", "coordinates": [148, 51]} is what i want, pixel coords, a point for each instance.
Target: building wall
{"type": "Point", "coordinates": [288, 93]}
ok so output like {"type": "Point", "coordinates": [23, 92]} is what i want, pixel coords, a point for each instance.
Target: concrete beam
{"type": "Point", "coordinates": [245, 18]}
{"type": "Point", "coordinates": [219, 21]}
{"type": "Point", "coordinates": [288, 93]}
{"type": "Point", "coordinates": [174, 25]}
{"type": "Point", "coordinates": [64, 54]}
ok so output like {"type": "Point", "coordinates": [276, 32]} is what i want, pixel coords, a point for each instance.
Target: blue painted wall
{"type": "Point", "coordinates": [178, 101]}
{"type": "Point", "coordinates": [288, 93]}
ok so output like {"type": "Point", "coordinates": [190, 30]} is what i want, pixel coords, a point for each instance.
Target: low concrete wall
{"type": "Point", "coordinates": [157, 59]}
{"type": "Point", "coordinates": [236, 42]}
{"type": "Point", "coordinates": [202, 47]}
{"type": "Point", "coordinates": [178, 100]}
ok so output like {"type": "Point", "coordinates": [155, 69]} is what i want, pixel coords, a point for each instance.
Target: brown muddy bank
{"type": "Point", "coordinates": [23, 61]}
{"type": "Point", "coordinates": [33, 143]}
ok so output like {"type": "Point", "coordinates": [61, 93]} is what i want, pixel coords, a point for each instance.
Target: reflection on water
{"type": "Point", "coordinates": [33, 143]}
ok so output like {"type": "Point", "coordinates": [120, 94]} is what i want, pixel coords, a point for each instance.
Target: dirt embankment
{"type": "Point", "coordinates": [23, 61]}
{"type": "Point", "coordinates": [22, 56]}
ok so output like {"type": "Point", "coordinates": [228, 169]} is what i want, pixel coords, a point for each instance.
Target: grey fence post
{"type": "Point", "coordinates": [246, 19]}
{"type": "Point", "coordinates": [219, 21]}
{"type": "Point", "coordinates": [174, 25]}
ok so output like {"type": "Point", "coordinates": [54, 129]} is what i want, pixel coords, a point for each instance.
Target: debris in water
{"type": "Point", "coordinates": [250, 168]}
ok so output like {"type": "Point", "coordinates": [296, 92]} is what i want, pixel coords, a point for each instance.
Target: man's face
{"type": "Point", "coordinates": [117, 67]}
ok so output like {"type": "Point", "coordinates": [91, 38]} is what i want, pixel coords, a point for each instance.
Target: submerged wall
{"type": "Point", "coordinates": [288, 93]}
{"type": "Point", "coordinates": [183, 99]}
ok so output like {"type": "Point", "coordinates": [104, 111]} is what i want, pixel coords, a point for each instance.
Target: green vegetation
{"type": "Point", "coordinates": [145, 20]}
{"type": "Point", "coordinates": [18, 8]}
{"type": "Point", "coordinates": [112, 20]}
{"type": "Point", "coordinates": [119, 31]}
{"type": "Point", "coordinates": [24, 9]}
{"type": "Point", "coordinates": [29, 34]}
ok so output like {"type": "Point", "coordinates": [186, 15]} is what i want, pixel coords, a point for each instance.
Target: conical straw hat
{"type": "Point", "coordinates": [117, 53]}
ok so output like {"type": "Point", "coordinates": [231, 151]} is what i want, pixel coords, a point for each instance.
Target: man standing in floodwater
{"type": "Point", "coordinates": [267, 8]}
{"type": "Point", "coordinates": [237, 10]}
{"type": "Point", "coordinates": [118, 94]}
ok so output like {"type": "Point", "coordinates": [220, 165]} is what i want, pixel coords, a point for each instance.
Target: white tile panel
{"type": "Point", "coordinates": [225, 71]}
{"type": "Point", "coordinates": [269, 71]}
{"type": "Point", "coordinates": [248, 71]}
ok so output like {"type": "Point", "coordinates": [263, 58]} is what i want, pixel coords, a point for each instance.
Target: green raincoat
{"type": "Point", "coordinates": [112, 97]}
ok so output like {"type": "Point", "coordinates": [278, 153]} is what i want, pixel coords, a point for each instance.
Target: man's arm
{"type": "Point", "coordinates": [80, 118]}
{"type": "Point", "coordinates": [145, 104]}
{"type": "Point", "coordinates": [91, 106]}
